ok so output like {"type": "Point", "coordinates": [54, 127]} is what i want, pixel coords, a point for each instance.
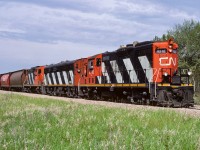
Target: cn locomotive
{"type": "Point", "coordinates": [140, 73]}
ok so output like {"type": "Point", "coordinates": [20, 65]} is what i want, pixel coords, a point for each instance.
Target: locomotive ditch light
{"type": "Point", "coordinates": [189, 73]}
{"type": "Point", "coordinates": [170, 46]}
{"type": "Point", "coordinates": [165, 74]}
{"type": "Point", "coordinates": [144, 93]}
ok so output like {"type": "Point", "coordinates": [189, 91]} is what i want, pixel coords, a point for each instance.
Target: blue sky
{"type": "Point", "coordinates": [40, 32]}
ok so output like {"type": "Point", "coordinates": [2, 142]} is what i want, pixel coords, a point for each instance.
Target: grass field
{"type": "Point", "coordinates": [33, 123]}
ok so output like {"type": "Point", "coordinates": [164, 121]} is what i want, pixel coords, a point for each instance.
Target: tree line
{"type": "Point", "coordinates": [187, 35]}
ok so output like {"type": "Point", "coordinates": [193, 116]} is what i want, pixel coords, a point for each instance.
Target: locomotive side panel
{"type": "Point", "coordinates": [59, 74]}
{"type": "Point", "coordinates": [80, 71]}
{"type": "Point", "coordinates": [35, 80]}
{"type": "Point", "coordinates": [142, 61]}
{"type": "Point", "coordinates": [36, 76]}
{"type": "Point", "coordinates": [128, 65]}
{"type": "Point", "coordinates": [94, 70]}
{"type": "Point", "coordinates": [59, 78]}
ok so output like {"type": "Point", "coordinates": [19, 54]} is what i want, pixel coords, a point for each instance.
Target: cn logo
{"type": "Point", "coordinates": [166, 61]}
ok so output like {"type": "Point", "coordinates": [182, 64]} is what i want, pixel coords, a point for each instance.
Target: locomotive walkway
{"type": "Point", "coordinates": [195, 111]}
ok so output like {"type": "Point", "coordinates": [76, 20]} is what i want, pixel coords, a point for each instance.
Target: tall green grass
{"type": "Point", "coordinates": [33, 123]}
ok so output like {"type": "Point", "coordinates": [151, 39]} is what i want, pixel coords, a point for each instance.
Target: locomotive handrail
{"type": "Point", "coordinates": [151, 79]}
{"type": "Point", "coordinates": [155, 83]}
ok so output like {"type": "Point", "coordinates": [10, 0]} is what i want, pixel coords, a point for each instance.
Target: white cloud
{"type": "Point", "coordinates": [39, 32]}
{"type": "Point", "coordinates": [41, 23]}
{"type": "Point", "coordinates": [13, 30]}
{"type": "Point", "coordinates": [18, 54]}
{"type": "Point", "coordinates": [65, 23]}
{"type": "Point", "coordinates": [175, 13]}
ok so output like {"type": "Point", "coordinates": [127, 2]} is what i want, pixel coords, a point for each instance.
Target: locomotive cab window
{"type": "Point", "coordinates": [25, 72]}
{"type": "Point", "coordinates": [106, 58]}
{"type": "Point", "coordinates": [161, 51]}
{"type": "Point", "coordinates": [90, 65]}
{"type": "Point", "coordinates": [174, 51]}
{"type": "Point", "coordinates": [98, 62]}
{"type": "Point", "coordinates": [39, 71]}
{"type": "Point", "coordinates": [35, 73]}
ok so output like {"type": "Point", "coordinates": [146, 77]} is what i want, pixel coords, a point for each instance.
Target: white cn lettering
{"type": "Point", "coordinates": [170, 60]}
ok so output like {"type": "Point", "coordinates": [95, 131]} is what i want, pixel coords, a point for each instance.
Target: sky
{"type": "Point", "coordinates": [43, 32]}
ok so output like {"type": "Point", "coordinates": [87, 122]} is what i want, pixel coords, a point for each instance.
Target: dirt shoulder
{"type": "Point", "coordinates": [195, 112]}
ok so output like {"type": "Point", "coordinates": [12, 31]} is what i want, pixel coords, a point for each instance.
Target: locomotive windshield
{"type": "Point", "coordinates": [161, 51]}
{"type": "Point", "coordinates": [174, 51]}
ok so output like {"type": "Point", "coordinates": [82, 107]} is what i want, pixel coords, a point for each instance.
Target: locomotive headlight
{"type": "Point", "coordinates": [189, 73]}
{"type": "Point", "coordinates": [170, 48]}
{"type": "Point", "coordinates": [165, 74]}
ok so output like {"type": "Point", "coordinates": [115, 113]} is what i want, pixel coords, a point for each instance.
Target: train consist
{"type": "Point", "coordinates": [140, 73]}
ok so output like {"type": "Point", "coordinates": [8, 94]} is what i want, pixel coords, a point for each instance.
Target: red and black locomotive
{"type": "Point", "coordinates": [140, 73]}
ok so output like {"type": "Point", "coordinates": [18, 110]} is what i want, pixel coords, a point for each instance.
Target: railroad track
{"type": "Point", "coordinates": [196, 107]}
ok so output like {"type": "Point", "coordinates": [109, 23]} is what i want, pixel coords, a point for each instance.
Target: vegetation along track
{"type": "Point", "coordinates": [193, 111]}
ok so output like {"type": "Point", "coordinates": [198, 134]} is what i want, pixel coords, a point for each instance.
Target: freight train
{"type": "Point", "coordinates": [140, 73]}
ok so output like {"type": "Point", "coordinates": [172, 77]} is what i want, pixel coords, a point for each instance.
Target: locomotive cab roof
{"type": "Point", "coordinates": [60, 64]}
{"type": "Point", "coordinates": [135, 45]}
{"type": "Point", "coordinates": [55, 67]}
